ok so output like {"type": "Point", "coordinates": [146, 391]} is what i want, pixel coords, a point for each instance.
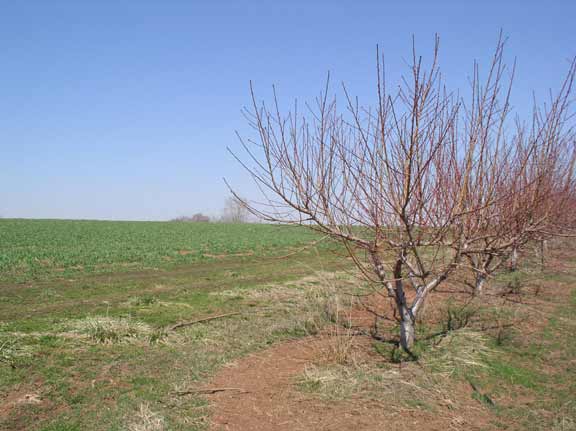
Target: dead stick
{"type": "Point", "coordinates": [209, 391]}
{"type": "Point", "coordinates": [205, 319]}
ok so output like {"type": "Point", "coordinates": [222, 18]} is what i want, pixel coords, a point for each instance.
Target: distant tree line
{"type": "Point", "coordinates": [234, 211]}
{"type": "Point", "coordinates": [196, 218]}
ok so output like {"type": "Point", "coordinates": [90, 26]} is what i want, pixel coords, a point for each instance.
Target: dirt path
{"type": "Point", "coordinates": [270, 401]}
{"type": "Point", "coordinates": [262, 397]}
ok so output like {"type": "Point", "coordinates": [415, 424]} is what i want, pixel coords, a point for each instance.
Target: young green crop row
{"type": "Point", "coordinates": [40, 249]}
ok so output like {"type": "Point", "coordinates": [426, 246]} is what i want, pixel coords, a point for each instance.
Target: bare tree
{"type": "Point", "coordinates": [525, 186]}
{"type": "Point", "coordinates": [196, 218]}
{"type": "Point", "coordinates": [235, 211]}
{"type": "Point", "coordinates": [406, 186]}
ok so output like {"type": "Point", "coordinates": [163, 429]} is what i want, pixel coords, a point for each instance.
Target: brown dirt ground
{"type": "Point", "coordinates": [261, 394]}
{"type": "Point", "coordinates": [30, 401]}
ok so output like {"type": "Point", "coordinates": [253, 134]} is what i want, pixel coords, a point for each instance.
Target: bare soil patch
{"type": "Point", "coordinates": [260, 391]}
{"type": "Point", "coordinates": [24, 403]}
{"type": "Point", "coordinates": [260, 394]}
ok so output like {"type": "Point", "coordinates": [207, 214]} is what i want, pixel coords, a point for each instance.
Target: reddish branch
{"type": "Point", "coordinates": [420, 184]}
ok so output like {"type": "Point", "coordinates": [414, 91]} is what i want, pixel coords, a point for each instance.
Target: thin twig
{"type": "Point", "coordinates": [210, 391]}
{"type": "Point", "coordinates": [205, 319]}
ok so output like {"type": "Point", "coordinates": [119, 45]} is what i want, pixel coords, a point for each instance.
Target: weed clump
{"type": "Point", "coordinates": [457, 352]}
{"type": "Point", "coordinates": [458, 316]}
{"type": "Point", "coordinates": [109, 330]}
{"type": "Point", "coordinates": [11, 352]}
{"type": "Point", "coordinates": [514, 285]}
{"type": "Point", "coordinates": [146, 420]}
{"type": "Point", "coordinates": [143, 301]}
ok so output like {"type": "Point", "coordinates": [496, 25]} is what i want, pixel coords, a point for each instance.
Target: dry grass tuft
{"type": "Point", "coordinates": [330, 382]}
{"type": "Point", "coordinates": [413, 386]}
{"type": "Point", "coordinates": [343, 382]}
{"type": "Point", "coordinates": [146, 420]}
{"type": "Point", "coordinates": [340, 347]}
{"type": "Point", "coordinates": [12, 351]}
{"type": "Point", "coordinates": [108, 330]}
{"type": "Point", "coordinates": [304, 306]}
{"type": "Point", "coordinates": [456, 351]}
{"type": "Point", "coordinates": [566, 418]}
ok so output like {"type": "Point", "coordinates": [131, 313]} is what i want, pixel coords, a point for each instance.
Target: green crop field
{"type": "Point", "coordinates": [41, 249]}
{"type": "Point", "coordinates": [121, 326]}
{"type": "Point", "coordinates": [65, 286]}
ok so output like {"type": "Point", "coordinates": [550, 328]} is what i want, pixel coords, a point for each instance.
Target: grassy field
{"type": "Point", "coordinates": [89, 347]}
{"type": "Point", "coordinates": [43, 249]}
{"type": "Point", "coordinates": [84, 308]}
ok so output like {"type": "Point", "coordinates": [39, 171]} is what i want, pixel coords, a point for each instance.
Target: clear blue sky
{"type": "Point", "coordinates": [117, 109]}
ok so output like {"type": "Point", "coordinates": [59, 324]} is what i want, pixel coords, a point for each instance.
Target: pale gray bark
{"type": "Point", "coordinates": [407, 330]}
{"type": "Point", "coordinates": [543, 252]}
{"type": "Point", "coordinates": [408, 314]}
{"type": "Point", "coordinates": [480, 284]}
{"type": "Point", "coordinates": [514, 259]}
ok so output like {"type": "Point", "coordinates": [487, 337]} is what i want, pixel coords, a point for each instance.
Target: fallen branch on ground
{"type": "Point", "coordinates": [205, 319]}
{"type": "Point", "coordinates": [210, 391]}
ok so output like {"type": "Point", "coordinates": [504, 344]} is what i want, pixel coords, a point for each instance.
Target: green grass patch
{"type": "Point", "coordinates": [45, 249]}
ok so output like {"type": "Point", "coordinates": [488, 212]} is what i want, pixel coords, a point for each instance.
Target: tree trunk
{"type": "Point", "coordinates": [543, 249]}
{"type": "Point", "coordinates": [480, 284]}
{"type": "Point", "coordinates": [407, 330]}
{"type": "Point", "coordinates": [514, 259]}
